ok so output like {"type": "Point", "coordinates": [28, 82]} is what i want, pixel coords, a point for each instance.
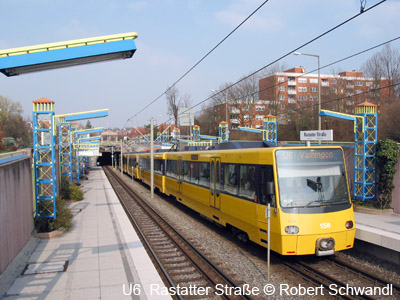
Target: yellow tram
{"type": "Point", "coordinates": [130, 164]}
{"type": "Point", "coordinates": [307, 188]}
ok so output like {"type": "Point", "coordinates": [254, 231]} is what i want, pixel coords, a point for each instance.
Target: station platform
{"type": "Point", "coordinates": [100, 257]}
{"type": "Point", "coordinates": [381, 230]}
{"type": "Point", "coordinates": [380, 234]}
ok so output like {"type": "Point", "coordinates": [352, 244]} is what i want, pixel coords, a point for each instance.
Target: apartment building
{"type": "Point", "coordinates": [295, 91]}
{"type": "Point", "coordinates": [241, 113]}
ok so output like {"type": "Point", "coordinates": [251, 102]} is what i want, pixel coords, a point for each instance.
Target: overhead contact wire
{"type": "Point", "coordinates": [204, 57]}
{"type": "Point", "coordinates": [287, 54]}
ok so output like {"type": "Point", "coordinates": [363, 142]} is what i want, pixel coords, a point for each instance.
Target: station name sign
{"type": "Point", "coordinates": [316, 135]}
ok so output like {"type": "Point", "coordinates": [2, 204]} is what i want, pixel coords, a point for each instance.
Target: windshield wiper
{"type": "Point", "coordinates": [314, 201]}
{"type": "Point", "coordinates": [341, 202]}
{"type": "Point", "coordinates": [325, 202]}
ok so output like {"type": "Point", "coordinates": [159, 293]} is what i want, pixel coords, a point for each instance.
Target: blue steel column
{"type": "Point", "coordinates": [78, 160]}
{"type": "Point", "coordinates": [270, 126]}
{"type": "Point", "coordinates": [44, 158]}
{"type": "Point", "coordinates": [177, 135]}
{"type": "Point", "coordinates": [164, 137]}
{"type": "Point", "coordinates": [366, 136]}
{"type": "Point", "coordinates": [65, 150]}
{"type": "Point", "coordinates": [196, 133]}
{"type": "Point", "coordinates": [74, 154]}
{"type": "Point", "coordinates": [81, 160]}
{"type": "Point", "coordinates": [223, 131]}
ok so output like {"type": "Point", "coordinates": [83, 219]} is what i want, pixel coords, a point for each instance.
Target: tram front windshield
{"type": "Point", "coordinates": [311, 177]}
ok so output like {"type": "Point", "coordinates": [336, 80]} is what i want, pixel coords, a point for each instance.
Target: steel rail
{"type": "Point", "coordinates": [162, 222]}
{"type": "Point", "coordinates": [366, 274]}
{"type": "Point", "coordinates": [142, 235]}
{"type": "Point", "coordinates": [323, 278]}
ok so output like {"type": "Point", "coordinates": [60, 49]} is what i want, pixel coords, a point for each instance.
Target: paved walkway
{"type": "Point", "coordinates": [101, 257]}
{"type": "Point", "coordinates": [381, 230]}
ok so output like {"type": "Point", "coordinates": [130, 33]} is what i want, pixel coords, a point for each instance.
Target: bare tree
{"type": "Point", "coordinates": [12, 123]}
{"type": "Point", "coordinates": [172, 95]}
{"type": "Point", "coordinates": [186, 100]}
{"type": "Point", "coordinates": [175, 101]}
{"type": "Point", "coordinates": [207, 120]}
{"type": "Point", "coordinates": [222, 100]}
{"type": "Point", "coordinates": [236, 102]}
{"type": "Point", "coordinates": [385, 65]}
{"type": "Point", "coordinates": [246, 96]}
{"type": "Point", "coordinates": [388, 127]}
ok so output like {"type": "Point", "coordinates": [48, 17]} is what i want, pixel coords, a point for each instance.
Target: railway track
{"type": "Point", "coordinates": [187, 273]}
{"type": "Point", "coordinates": [339, 279]}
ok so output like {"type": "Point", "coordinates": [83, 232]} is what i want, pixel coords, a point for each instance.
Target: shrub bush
{"type": "Point", "coordinates": [63, 219]}
{"type": "Point", "coordinates": [75, 193]}
{"type": "Point", "coordinates": [64, 216]}
{"type": "Point", "coordinates": [64, 188]}
{"type": "Point", "coordinates": [386, 158]}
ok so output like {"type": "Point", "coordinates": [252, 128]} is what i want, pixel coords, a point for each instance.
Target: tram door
{"type": "Point", "coordinates": [215, 183]}
{"type": "Point", "coordinates": [179, 172]}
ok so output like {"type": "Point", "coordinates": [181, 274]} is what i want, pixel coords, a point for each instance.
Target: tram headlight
{"type": "Point", "coordinates": [349, 224]}
{"type": "Point", "coordinates": [325, 244]}
{"type": "Point", "coordinates": [292, 229]}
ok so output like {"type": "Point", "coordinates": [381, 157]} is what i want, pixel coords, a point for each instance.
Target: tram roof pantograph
{"type": "Point", "coordinates": [22, 60]}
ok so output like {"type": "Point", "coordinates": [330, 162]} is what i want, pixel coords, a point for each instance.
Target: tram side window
{"type": "Point", "coordinates": [247, 181]}
{"type": "Point", "coordinates": [132, 161]}
{"type": "Point", "coordinates": [267, 175]}
{"type": "Point", "coordinates": [204, 169]}
{"type": "Point", "coordinates": [145, 164]}
{"type": "Point", "coordinates": [140, 163]}
{"type": "Point", "coordinates": [171, 168]}
{"type": "Point", "coordinates": [157, 166]}
{"type": "Point", "coordinates": [194, 172]}
{"type": "Point", "coordinates": [186, 171]}
{"type": "Point", "coordinates": [230, 179]}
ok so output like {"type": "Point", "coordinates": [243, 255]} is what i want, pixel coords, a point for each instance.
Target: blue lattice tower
{"type": "Point", "coordinates": [223, 132]}
{"type": "Point", "coordinates": [65, 148]}
{"type": "Point", "coordinates": [44, 159]}
{"type": "Point", "coordinates": [365, 139]}
{"type": "Point", "coordinates": [74, 153]}
{"type": "Point", "coordinates": [78, 162]}
{"type": "Point", "coordinates": [270, 133]}
{"type": "Point", "coordinates": [164, 137]}
{"type": "Point", "coordinates": [82, 160]}
{"type": "Point", "coordinates": [177, 135]}
{"type": "Point", "coordinates": [196, 133]}
{"type": "Point", "coordinates": [85, 162]}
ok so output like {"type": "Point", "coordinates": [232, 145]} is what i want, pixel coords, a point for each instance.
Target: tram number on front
{"type": "Point", "coordinates": [325, 225]}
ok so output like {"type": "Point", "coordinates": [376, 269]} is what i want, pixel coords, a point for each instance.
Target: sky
{"type": "Point", "coordinates": [173, 35]}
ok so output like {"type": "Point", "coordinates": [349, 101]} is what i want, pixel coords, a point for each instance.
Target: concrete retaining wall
{"type": "Point", "coordinates": [16, 208]}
